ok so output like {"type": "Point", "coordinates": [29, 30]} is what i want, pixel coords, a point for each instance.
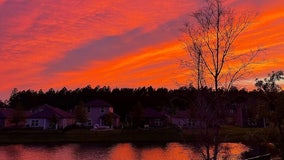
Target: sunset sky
{"type": "Point", "coordinates": [128, 43]}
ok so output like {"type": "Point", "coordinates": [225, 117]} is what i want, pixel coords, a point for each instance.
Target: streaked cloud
{"type": "Point", "coordinates": [124, 43]}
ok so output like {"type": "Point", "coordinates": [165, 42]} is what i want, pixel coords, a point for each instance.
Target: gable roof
{"type": "Point", "coordinates": [6, 113]}
{"type": "Point", "coordinates": [47, 111]}
{"type": "Point", "coordinates": [114, 115]}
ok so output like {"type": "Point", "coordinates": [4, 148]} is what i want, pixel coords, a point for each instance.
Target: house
{"type": "Point", "coordinates": [183, 119]}
{"type": "Point", "coordinates": [12, 117]}
{"type": "Point", "coordinates": [6, 115]}
{"type": "Point", "coordinates": [249, 118]}
{"type": "Point", "coordinates": [234, 115]}
{"type": "Point", "coordinates": [243, 116]}
{"type": "Point", "coordinates": [100, 114]}
{"type": "Point", "coordinates": [149, 118]}
{"type": "Point", "coordinates": [49, 117]}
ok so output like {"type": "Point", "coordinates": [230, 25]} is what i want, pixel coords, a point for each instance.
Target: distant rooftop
{"type": "Point", "coordinates": [47, 111]}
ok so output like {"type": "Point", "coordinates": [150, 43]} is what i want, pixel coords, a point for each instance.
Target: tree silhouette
{"type": "Point", "coordinates": [18, 115]}
{"type": "Point", "coordinates": [80, 113]}
{"type": "Point", "coordinates": [209, 39]}
{"type": "Point", "coordinates": [274, 97]}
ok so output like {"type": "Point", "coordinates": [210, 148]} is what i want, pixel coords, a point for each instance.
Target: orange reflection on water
{"type": "Point", "coordinates": [123, 152]}
{"type": "Point", "coordinates": [153, 153]}
{"type": "Point", "coordinates": [235, 148]}
{"type": "Point", "coordinates": [176, 151]}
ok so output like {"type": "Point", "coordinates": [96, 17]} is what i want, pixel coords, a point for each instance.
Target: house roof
{"type": "Point", "coordinates": [182, 114]}
{"type": "Point", "coordinates": [151, 113]}
{"type": "Point", "coordinates": [98, 103]}
{"type": "Point", "coordinates": [47, 111]}
{"type": "Point", "coordinates": [6, 113]}
{"type": "Point", "coordinates": [114, 115]}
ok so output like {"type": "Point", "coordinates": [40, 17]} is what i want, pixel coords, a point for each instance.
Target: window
{"type": "Point", "coordinates": [89, 109]}
{"type": "Point", "coordinates": [89, 123]}
{"type": "Point", "coordinates": [252, 122]}
{"type": "Point", "coordinates": [102, 109]}
{"type": "Point", "coordinates": [191, 123]}
{"type": "Point", "coordinates": [35, 123]}
{"type": "Point", "coordinates": [157, 122]}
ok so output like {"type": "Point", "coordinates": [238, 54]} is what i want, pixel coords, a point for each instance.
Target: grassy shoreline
{"type": "Point", "coordinates": [162, 135]}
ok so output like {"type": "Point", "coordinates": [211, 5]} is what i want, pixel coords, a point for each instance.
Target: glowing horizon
{"type": "Point", "coordinates": [75, 43]}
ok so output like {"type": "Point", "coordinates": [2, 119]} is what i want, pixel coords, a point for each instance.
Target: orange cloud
{"type": "Point", "coordinates": [147, 65]}
{"type": "Point", "coordinates": [36, 34]}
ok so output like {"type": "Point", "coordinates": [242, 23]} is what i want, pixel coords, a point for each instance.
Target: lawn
{"type": "Point", "coordinates": [161, 135]}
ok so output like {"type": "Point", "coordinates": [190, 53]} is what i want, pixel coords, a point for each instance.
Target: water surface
{"type": "Point", "coordinates": [121, 151]}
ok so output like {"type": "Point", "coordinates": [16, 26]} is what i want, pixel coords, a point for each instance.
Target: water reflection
{"type": "Point", "coordinates": [123, 151]}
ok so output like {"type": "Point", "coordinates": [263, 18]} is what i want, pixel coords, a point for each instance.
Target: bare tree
{"type": "Point", "coordinates": [209, 39]}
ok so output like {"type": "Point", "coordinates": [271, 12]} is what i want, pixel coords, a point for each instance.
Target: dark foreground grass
{"type": "Point", "coordinates": [23, 136]}
{"type": "Point", "coordinates": [161, 135]}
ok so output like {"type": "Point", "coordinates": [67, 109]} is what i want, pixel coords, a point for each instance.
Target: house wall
{"type": "Point", "coordinates": [155, 122]}
{"type": "Point", "coordinates": [2, 123]}
{"type": "Point", "coordinates": [37, 123]}
{"type": "Point", "coordinates": [116, 122]}
{"type": "Point", "coordinates": [186, 122]}
{"type": "Point", "coordinates": [45, 123]}
{"type": "Point", "coordinates": [180, 122]}
{"type": "Point", "coordinates": [94, 114]}
{"type": "Point", "coordinates": [62, 123]}
{"type": "Point", "coordinates": [6, 123]}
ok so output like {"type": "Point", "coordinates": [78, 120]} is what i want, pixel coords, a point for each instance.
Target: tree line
{"type": "Point", "coordinates": [124, 100]}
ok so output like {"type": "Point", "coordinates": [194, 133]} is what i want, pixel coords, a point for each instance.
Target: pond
{"type": "Point", "coordinates": [120, 151]}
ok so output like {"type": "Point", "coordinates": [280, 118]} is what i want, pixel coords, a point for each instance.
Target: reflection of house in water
{"type": "Point", "coordinates": [100, 113]}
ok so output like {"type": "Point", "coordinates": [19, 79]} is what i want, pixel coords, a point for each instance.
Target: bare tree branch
{"type": "Point", "coordinates": [210, 38]}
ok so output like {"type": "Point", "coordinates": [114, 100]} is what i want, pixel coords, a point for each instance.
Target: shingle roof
{"type": "Point", "coordinates": [111, 114]}
{"type": "Point", "coordinates": [47, 111]}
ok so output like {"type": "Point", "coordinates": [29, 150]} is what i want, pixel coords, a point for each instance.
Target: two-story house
{"type": "Point", "coordinates": [100, 114]}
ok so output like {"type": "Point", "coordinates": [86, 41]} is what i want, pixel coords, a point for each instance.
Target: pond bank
{"type": "Point", "coordinates": [256, 138]}
{"type": "Point", "coordinates": [161, 135]}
